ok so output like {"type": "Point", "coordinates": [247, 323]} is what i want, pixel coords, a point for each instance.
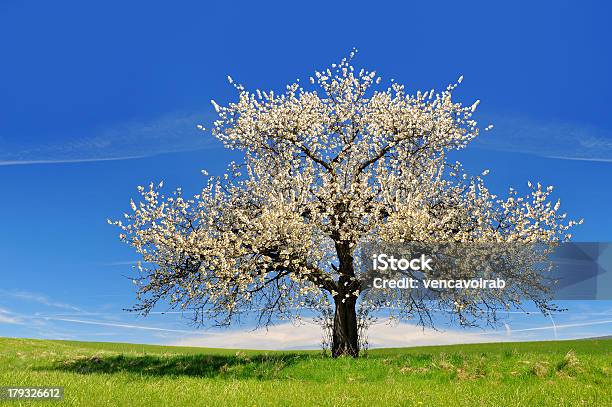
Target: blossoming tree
{"type": "Point", "coordinates": [326, 168]}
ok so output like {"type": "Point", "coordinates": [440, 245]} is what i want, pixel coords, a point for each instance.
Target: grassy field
{"type": "Point", "coordinates": [564, 373]}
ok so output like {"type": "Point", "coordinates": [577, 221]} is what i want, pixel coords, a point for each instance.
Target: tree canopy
{"type": "Point", "coordinates": [327, 167]}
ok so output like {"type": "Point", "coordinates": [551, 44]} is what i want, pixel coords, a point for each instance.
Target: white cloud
{"type": "Point", "coordinates": [556, 140]}
{"type": "Point", "coordinates": [562, 326]}
{"type": "Point", "coordinates": [66, 161]}
{"type": "Point", "coordinates": [38, 298]}
{"type": "Point", "coordinates": [7, 317]}
{"type": "Point", "coordinates": [116, 325]}
{"type": "Point", "coordinates": [287, 336]}
{"type": "Point", "coordinates": [308, 336]}
{"type": "Point", "coordinates": [121, 263]}
{"type": "Point", "coordinates": [601, 160]}
{"type": "Point", "coordinates": [167, 134]}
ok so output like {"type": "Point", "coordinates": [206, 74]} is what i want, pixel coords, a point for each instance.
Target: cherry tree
{"type": "Point", "coordinates": [328, 167]}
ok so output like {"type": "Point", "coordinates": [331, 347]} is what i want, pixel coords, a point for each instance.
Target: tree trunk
{"type": "Point", "coordinates": [345, 339]}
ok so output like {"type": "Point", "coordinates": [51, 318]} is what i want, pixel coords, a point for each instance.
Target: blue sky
{"type": "Point", "coordinates": [99, 97]}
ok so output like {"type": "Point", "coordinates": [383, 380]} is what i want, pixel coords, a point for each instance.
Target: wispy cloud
{"type": "Point", "coordinates": [115, 324]}
{"type": "Point", "coordinates": [7, 317]}
{"type": "Point", "coordinates": [76, 160]}
{"type": "Point", "coordinates": [286, 335]}
{"type": "Point", "coordinates": [551, 139]}
{"type": "Point", "coordinates": [121, 263]}
{"type": "Point", "coordinates": [38, 298]}
{"type": "Point", "coordinates": [602, 160]}
{"type": "Point", "coordinates": [178, 132]}
{"type": "Point", "coordinates": [170, 133]}
{"type": "Point", "coordinates": [562, 326]}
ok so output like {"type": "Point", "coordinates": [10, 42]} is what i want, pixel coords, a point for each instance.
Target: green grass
{"type": "Point", "coordinates": [563, 373]}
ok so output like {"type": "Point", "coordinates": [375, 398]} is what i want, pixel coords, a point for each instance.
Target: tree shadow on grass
{"type": "Point", "coordinates": [265, 366]}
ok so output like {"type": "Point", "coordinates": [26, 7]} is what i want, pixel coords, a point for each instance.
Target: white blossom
{"type": "Point", "coordinates": [325, 170]}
